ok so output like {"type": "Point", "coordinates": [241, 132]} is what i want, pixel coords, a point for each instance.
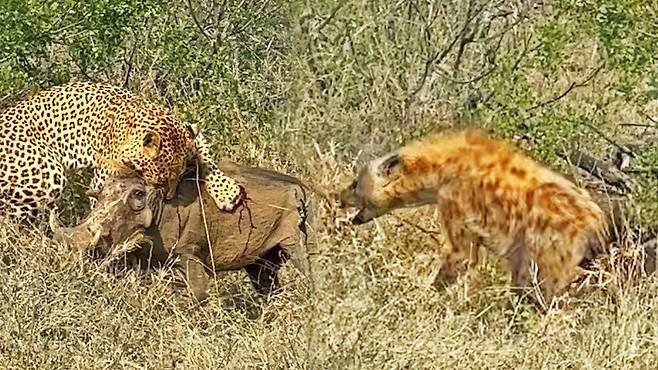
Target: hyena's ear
{"type": "Point", "coordinates": [391, 167]}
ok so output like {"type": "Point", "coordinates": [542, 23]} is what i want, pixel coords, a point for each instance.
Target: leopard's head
{"type": "Point", "coordinates": [158, 150]}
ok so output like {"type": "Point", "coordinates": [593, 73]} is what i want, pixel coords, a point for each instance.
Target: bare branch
{"type": "Point", "coordinates": [601, 169]}
{"type": "Point", "coordinates": [129, 62]}
{"type": "Point", "coordinates": [526, 49]}
{"type": "Point", "coordinates": [431, 234]}
{"type": "Point", "coordinates": [574, 85]}
{"type": "Point", "coordinates": [441, 54]}
{"type": "Point", "coordinates": [637, 125]}
{"type": "Point", "coordinates": [218, 19]}
{"type": "Point", "coordinates": [198, 24]}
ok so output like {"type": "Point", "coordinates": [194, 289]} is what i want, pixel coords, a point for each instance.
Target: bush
{"type": "Point", "coordinates": [313, 88]}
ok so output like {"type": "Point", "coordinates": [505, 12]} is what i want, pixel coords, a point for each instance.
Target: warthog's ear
{"type": "Point", "coordinates": [93, 193]}
{"type": "Point", "coordinates": [127, 170]}
{"type": "Point", "coordinates": [391, 167]}
{"type": "Point", "coordinates": [152, 144]}
{"type": "Point", "coordinates": [192, 131]}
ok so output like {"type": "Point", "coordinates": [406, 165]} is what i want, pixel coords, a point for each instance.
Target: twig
{"type": "Point", "coordinates": [574, 85]}
{"type": "Point", "coordinates": [82, 69]}
{"type": "Point", "coordinates": [472, 80]}
{"type": "Point", "coordinates": [331, 16]}
{"type": "Point", "coordinates": [637, 125]}
{"type": "Point", "coordinates": [430, 233]}
{"type": "Point", "coordinates": [129, 63]}
{"type": "Point", "coordinates": [198, 24]}
{"type": "Point", "coordinates": [651, 118]}
{"type": "Point", "coordinates": [501, 32]}
{"type": "Point", "coordinates": [623, 149]}
{"type": "Point", "coordinates": [197, 181]}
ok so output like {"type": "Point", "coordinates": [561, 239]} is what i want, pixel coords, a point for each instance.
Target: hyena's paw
{"type": "Point", "coordinates": [225, 191]}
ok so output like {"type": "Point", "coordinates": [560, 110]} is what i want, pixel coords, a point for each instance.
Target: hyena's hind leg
{"type": "Point", "coordinates": [541, 269]}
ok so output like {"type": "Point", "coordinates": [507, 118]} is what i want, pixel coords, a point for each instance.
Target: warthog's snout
{"type": "Point", "coordinates": [124, 206]}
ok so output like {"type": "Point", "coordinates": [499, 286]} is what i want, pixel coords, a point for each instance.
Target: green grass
{"type": "Point", "coordinates": [314, 89]}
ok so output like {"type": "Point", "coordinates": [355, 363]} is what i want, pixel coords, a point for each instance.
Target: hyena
{"type": "Point", "coordinates": [487, 193]}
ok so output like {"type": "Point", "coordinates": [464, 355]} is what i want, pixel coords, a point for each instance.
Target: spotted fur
{"type": "Point", "coordinates": [488, 194]}
{"type": "Point", "coordinates": [99, 127]}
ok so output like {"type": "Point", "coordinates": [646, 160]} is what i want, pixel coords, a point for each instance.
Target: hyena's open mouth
{"type": "Point", "coordinates": [361, 216]}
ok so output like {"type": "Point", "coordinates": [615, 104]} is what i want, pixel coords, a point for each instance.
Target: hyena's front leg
{"type": "Point", "coordinates": [461, 251]}
{"type": "Point", "coordinates": [519, 260]}
{"type": "Point", "coordinates": [558, 269]}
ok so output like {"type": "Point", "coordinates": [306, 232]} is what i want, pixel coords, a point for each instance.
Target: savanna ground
{"type": "Point", "coordinates": [313, 89]}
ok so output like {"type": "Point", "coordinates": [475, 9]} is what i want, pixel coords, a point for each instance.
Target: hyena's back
{"type": "Point", "coordinates": [523, 210]}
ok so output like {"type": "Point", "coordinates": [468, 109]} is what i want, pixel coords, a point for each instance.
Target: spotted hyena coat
{"type": "Point", "coordinates": [99, 127]}
{"type": "Point", "coordinates": [489, 194]}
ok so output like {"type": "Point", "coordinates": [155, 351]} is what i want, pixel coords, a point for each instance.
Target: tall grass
{"type": "Point", "coordinates": [313, 89]}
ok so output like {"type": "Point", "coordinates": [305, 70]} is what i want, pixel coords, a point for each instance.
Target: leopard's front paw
{"type": "Point", "coordinates": [225, 191]}
{"type": "Point", "coordinates": [228, 206]}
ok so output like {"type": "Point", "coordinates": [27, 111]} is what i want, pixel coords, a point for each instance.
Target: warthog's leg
{"type": "Point", "coordinates": [295, 240]}
{"type": "Point", "coordinates": [196, 277]}
{"type": "Point", "coordinates": [264, 273]}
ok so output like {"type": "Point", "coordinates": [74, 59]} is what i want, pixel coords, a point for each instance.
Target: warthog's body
{"type": "Point", "coordinates": [258, 236]}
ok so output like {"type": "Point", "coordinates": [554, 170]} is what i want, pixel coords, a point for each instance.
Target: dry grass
{"type": "Point", "coordinates": [375, 303]}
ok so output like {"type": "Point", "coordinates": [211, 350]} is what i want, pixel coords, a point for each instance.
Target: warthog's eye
{"type": "Point", "coordinates": [137, 199]}
{"type": "Point", "coordinates": [138, 193]}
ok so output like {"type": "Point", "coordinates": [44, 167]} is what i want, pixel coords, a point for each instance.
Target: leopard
{"type": "Point", "coordinates": [106, 130]}
{"type": "Point", "coordinates": [543, 226]}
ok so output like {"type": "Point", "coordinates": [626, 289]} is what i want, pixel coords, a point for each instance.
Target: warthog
{"type": "Point", "coordinates": [269, 228]}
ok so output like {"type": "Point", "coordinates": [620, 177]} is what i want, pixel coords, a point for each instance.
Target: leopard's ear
{"type": "Point", "coordinates": [152, 144]}
{"type": "Point", "coordinates": [93, 193]}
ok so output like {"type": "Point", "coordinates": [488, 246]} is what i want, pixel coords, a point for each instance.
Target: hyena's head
{"type": "Point", "coordinates": [383, 185]}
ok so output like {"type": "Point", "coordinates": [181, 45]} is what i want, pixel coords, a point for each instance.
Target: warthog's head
{"type": "Point", "coordinates": [124, 206]}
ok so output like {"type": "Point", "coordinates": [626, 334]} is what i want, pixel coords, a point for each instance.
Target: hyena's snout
{"type": "Point", "coordinates": [360, 218]}
{"type": "Point", "coordinates": [347, 197]}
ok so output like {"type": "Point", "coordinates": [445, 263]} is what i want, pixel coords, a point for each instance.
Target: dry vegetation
{"type": "Point", "coordinates": [358, 79]}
